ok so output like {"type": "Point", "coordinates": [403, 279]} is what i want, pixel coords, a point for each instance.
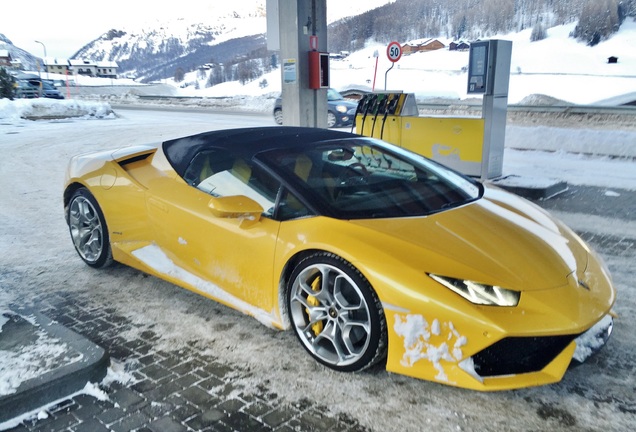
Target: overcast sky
{"type": "Point", "coordinates": [65, 27]}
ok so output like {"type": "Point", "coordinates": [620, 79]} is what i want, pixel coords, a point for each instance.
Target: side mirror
{"type": "Point", "coordinates": [239, 207]}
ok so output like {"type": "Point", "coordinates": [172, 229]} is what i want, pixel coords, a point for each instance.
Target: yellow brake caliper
{"type": "Point", "coordinates": [313, 301]}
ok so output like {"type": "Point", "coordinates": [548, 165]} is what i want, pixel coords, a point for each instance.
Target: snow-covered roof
{"type": "Point", "coordinates": [55, 61]}
{"type": "Point", "coordinates": [107, 64]}
{"type": "Point", "coordinates": [81, 62]}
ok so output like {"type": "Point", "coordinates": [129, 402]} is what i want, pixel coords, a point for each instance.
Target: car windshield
{"type": "Point", "coordinates": [333, 95]}
{"type": "Point", "coordinates": [364, 178]}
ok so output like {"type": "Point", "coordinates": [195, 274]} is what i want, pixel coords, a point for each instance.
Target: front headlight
{"type": "Point", "coordinates": [341, 108]}
{"type": "Point", "coordinates": [478, 293]}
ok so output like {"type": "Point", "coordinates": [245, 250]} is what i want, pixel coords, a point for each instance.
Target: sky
{"type": "Point", "coordinates": [66, 27]}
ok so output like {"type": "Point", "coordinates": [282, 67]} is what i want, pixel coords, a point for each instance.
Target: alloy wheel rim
{"type": "Point", "coordinates": [331, 119]}
{"type": "Point", "coordinates": [330, 315]}
{"type": "Point", "coordinates": [86, 229]}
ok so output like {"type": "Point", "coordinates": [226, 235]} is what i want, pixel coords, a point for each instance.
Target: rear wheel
{"type": "Point", "coordinates": [336, 314]}
{"type": "Point", "coordinates": [88, 229]}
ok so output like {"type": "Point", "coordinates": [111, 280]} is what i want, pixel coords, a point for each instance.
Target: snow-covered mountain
{"type": "Point", "coordinates": [225, 41]}
{"type": "Point", "coordinates": [28, 61]}
{"type": "Point", "coordinates": [212, 33]}
{"type": "Point", "coordinates": [156, 49]}
{"type": "Point", "coordinates": [219, 33]}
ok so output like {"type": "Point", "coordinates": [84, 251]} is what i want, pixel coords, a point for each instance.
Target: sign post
{"type": "Point", "coordinates": [394, 53]}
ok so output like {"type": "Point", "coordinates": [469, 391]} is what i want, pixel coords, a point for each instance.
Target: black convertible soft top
{"type": "Point", "coordinates": [245, 142]}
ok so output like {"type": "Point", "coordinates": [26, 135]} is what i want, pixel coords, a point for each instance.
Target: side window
{"type": "Point", "coordinates": [291, 207]}
{"type": "Point", "coordinates": [219, 173]}
{"type": "Point", "coordinates": [205, 164]}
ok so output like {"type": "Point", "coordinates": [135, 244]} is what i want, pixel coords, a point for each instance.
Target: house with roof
{"type": "Point", "coordinates": [101, 69]}
{"type": "Point", "coordinates": [422, 46]}
{"type": "Point", "coordinates": [83, 67]}
{"type": "Point", "coordinates": [5, 58]}
{"type": "Point", "coordinates": [458, 46]}
{"type": "Point", "coordinates": [107, 69]}
{"type": "Point", "coordinates": [55, 65]}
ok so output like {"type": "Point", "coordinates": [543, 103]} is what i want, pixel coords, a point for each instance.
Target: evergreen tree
{"type": "Point", "coordinates": [179, 75]}
{"type": "Point", "coordinates": [7, 84]}
{"type": "Point", "coordinates": [538, 32]}
{"type": "Point", "coordinates": [598, 20]}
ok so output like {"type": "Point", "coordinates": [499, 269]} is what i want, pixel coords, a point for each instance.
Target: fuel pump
{"type": "Point", "coordinates": [391, 106]}
{"type": "Point", "coordinates": [379, 106]}
{"type": "Point", "coordinates": [369, 103]}
{"type": "Point", "coordinates": [362, 108]}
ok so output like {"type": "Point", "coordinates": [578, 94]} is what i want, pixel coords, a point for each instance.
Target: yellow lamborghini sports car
{"type": "Point", "coordinates": [370, 253]}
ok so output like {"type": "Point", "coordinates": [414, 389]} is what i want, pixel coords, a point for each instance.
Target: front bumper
{"type": "Point", "coordinates": [345, 119]}
{"type": "Point", "coordinates": [509, 363]}
{"type": "Point", "coordinates": [591, 342]}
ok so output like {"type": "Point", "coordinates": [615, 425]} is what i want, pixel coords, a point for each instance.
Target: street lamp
{"type": "Point", "coordinates": [44, 60]}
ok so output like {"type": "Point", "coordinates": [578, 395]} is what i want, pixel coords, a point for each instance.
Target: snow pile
{"type": "Point", "coordinates": [49, 108]}
{"type": "Point", "coordinates": [542, 100]}
{"type": "Point", "coordinates": [593, 339]}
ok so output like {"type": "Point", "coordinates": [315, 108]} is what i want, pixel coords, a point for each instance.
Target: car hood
{"type": "Point", "coordinates": [499, 240]}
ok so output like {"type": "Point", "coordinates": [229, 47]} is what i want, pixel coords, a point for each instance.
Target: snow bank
{"type": "Point", "coordinates": [11, 111]}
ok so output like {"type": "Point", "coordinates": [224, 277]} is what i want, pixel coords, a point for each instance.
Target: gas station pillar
{"type": "Point", "coordinates": [302, 28]}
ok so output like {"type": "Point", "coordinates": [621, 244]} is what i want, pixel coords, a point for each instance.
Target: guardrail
{"type": "Point", "coordinates": [561, 109]}
{"type": "Point", "coordinates": [472, 108]}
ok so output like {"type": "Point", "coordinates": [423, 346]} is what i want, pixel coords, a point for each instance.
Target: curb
{"type": "Point", "coordinates": [531, 188]}
{"type": "Point", "coordinates": [53, 383]}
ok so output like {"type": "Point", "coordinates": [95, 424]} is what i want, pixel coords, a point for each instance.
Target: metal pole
{"type": "Point", "coordinates": [44, 60]}
{"type": "Point", "coordinates": [387, 73]}
{"type": "Point", "coordinates": [375, 72]}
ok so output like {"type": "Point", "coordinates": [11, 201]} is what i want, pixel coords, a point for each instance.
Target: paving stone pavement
{"type": "Point", "coordinates": [177, 391]}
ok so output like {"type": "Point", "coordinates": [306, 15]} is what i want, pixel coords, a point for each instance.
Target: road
{"type": "Point", "coordinates": [185, 363]}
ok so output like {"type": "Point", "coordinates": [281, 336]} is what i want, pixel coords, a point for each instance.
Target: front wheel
{"type": "Point", "coordinates": [88, 229]}
{"type": "Point", "coordinates": [278, 116]}
{"type": "Point", "coordinates": [336, 314]}
{"type": "Point", "coordinates": [331, 119]}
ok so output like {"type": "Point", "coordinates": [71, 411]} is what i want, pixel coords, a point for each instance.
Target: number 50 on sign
{"type": "Point", "coordinates": [394, 51]}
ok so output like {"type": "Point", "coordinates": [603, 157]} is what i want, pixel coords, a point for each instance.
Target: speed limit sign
{"type": "Point", "coordinates": [394, 51]}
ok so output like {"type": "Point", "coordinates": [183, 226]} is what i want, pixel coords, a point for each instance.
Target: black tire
{"type": "Point", "coordinates": [343, 325]}
{"type": "Point", "coordinates": [88, 229]}
{"type": "Point", "coordinates": [278, 116]}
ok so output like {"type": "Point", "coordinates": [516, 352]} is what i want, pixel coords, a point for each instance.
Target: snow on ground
{"type": "Point", "coordinates": [558, 66]}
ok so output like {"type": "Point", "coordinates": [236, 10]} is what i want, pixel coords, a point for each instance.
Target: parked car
{"type": "Point", "coordinates": [33, 88]}
{"type": "Point", "coordinates": [341, 112]}
{"type": "Point", "coordinates": [369, 253]}
{"type": "Point", "coordinates": [49, 91]}
{"type": "Point", "coordinates": [24, 90]}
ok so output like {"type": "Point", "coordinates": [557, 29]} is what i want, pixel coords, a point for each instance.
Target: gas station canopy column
{"type": "Point", "coordinates": [300, 28]}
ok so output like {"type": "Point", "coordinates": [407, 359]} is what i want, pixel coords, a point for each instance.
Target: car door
{"type": "Point", "coordinates": [228, 258]}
